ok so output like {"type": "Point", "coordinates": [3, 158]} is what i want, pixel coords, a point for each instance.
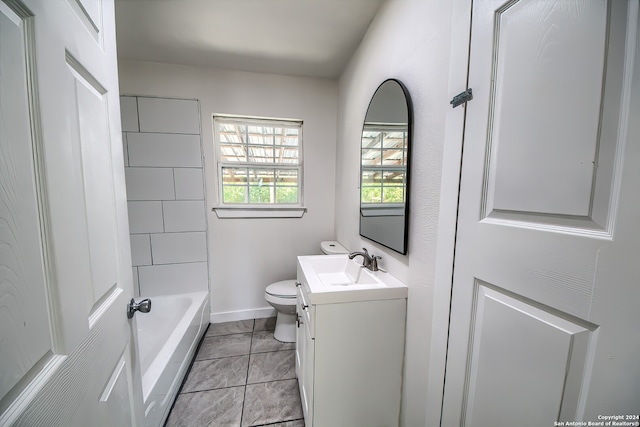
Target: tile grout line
{"type": "Point", "coordinates": [276, 423]}
{"type": "Point", "coordinates": [273, 351]}
{"type": "Point", "coordinates": [239, 385]}
{"type": "Point", "coordinates": [230, 333]}
{"type": "Point", "coordinates": [213, 389]}
{"type": "Point", "coordinates": [273, 381]}
{"type": "Point", "coordinates": [244, 398]}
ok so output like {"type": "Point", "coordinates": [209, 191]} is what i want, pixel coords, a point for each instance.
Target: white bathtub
{"type": "Point", "coordinates": [167, 340]}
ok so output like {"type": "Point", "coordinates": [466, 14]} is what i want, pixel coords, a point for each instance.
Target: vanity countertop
{"type": "Point", "coordinates": [338, 279]}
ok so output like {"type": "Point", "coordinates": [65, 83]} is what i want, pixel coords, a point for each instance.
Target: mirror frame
{"type": "Point", "coordinates": [409, 107]}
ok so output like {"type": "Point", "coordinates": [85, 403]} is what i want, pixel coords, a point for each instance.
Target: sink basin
{"type": "Point", "coordinates": [336, 278]}
{"type": "Point", "coordinates": [341, 271]}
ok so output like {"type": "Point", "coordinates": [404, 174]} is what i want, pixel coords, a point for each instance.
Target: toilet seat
{"type": "Point", "coordinates": [285, 289]}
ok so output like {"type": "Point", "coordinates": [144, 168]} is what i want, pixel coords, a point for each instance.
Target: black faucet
{"type": "Point", "coordinates": [368, 261]}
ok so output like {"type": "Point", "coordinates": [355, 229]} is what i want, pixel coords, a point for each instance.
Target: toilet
{"type": "Point", "coordinates": [282, 296]}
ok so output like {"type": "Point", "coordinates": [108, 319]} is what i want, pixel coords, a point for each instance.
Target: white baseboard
{"type": "Point", "coordinates": [230, 316]}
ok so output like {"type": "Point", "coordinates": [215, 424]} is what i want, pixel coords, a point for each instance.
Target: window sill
{"type": "Point", "coordinates": [245, 212]}
{"type": "Point", "coordinates": [382, 210]}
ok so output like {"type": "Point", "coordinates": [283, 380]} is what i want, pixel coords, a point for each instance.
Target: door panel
{"type": "Point", "coordinates": [24, 312]}
{"type": "Point", "coordinates": [64, 226]}
{"type": "Point", "coordinates": [509, 335]}
{"type": "Point", "coordinates": [554, 112]}
{"type": "Point", "coordinates": [68, 390]}
{"type": "Point", "coordinates": [547, 233]}
{"type": "Point", "coordinates": [541, 164]}
{"type": "Point", "coordinates": [89, 12]}
{"type": "Point", "coordinates": [115, 406]}
{"type": "Point", "coordinates": [91, 113]}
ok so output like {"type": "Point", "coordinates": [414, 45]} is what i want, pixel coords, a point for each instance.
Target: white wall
{"type": "Point", "coordinates": [246, 255]}
{"type": "Point", "coordinates": [408, 40]}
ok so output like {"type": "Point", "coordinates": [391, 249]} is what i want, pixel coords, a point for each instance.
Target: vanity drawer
{"type": "Point", "coordinates": [305, 310]}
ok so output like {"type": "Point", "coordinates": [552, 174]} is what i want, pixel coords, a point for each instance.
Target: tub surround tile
{"type": "Point", "coordinates": [189, 183]}
{"type": "Point", "coordinates": [169, 115]}
{"type": "Point", "coordinates": [168, 279]}
{"type": "Point", "coordinates": [129, 113]}
{"type": "Point", "coordinates": [140, 249]}
{"type": "Point", "coordinates": [148, 183]}
{"type": "Point", "coordinates": [163, 162]}
{"type": "Point", "coordinates": [263, 341]}
{"type": "Point", "coordinates": [125, 150]}
{"type": "Point", "coordinates": [272, 366]}
{"type": "Point", "coordinates": [271, 402]}
{"type": "Point", "coordinates": [164, 150]}
{"type": "Point", "coordinates": [170, 248]}
{"type": "Point", "coordinates": [267, 324]}
{"type": "Point", "coordinates": [145, 217]}
{"type": "Point", "coordinates": [136, 284]}
{"type": "Point", "coordinates": [217, 373]}
{"type": "Point", "coordinates": [184, 216]}
{"type": "Point", "coordinates": [222, 407]}
{"type": "Point", "coordinates": [228, 328]}
{"type": "Point", "coordinates": [224, 346]}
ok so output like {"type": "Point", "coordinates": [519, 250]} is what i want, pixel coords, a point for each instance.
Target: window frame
{"type": "Point", "coordinates": [385, 128]}
{"type": "Point", "coordinates": [257, 210]}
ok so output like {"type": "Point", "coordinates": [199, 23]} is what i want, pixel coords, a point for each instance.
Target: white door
{"type": "Point", "coordinates": [544, 318]}
{"type": "Point", "coordinates": [65, 269]}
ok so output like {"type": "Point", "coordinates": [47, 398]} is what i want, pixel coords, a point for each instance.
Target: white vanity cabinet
{"type": "Point", "coordinates": [304, 352]}
{"type": "Point", "coordinates": [349, 357]}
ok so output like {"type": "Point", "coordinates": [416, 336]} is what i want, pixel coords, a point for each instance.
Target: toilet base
{"type": "Point", "coordinates": [285, 327]}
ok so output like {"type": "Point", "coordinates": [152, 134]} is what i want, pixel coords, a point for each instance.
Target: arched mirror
{"type": "Point", "coordinates": [384, 167]}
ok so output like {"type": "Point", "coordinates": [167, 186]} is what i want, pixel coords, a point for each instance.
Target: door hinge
{"type": "Point", "coordinates": [461, 98]}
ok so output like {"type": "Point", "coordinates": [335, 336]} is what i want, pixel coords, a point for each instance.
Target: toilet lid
{"type": "Point", "coordinates": [283, 289]}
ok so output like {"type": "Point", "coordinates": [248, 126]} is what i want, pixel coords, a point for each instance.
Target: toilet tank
{"type": "Point", "coordinates": [332, 247]}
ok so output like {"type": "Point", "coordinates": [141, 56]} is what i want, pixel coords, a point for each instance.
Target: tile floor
{"type": "Point", "coordinates": [241, 377]}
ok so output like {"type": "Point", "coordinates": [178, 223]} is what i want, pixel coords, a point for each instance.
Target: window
{"type": "Point", "coordinates": [384, 164]}
{"type": "Point", "coordinates": [259, 162]}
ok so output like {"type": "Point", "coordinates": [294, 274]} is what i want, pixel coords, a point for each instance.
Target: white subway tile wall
{"type": "Point", "coordinates": [171, 248]}
{"type": "Point", "coordinates": [165, 189]}
{"type": "Point", "coordinates": [136, 285]}
{"type": "Point", "coordinates": [140, 249]}
{"type": "Point", "coordinates": [184, 216]}
{"type": "Point", "coordinates": [169, 115]}
{"type": "Point", "coordinates": [125, 151]}
{"type": "Point", "coordinates": [170, 279]}
{"type": "Point", "coordinates": [189, 183]}
{"type": "Point", "coordinates": [150, 183]}
{"type": "Point", "coordinates": [145, 217]}
{"type": "Point", "coordinates": [129, 113]}
{"type": "Point", "coordinates": [164, 149]}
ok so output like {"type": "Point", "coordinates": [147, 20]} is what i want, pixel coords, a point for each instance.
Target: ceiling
{"type": "Point", "coordinates": [314, 38]}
